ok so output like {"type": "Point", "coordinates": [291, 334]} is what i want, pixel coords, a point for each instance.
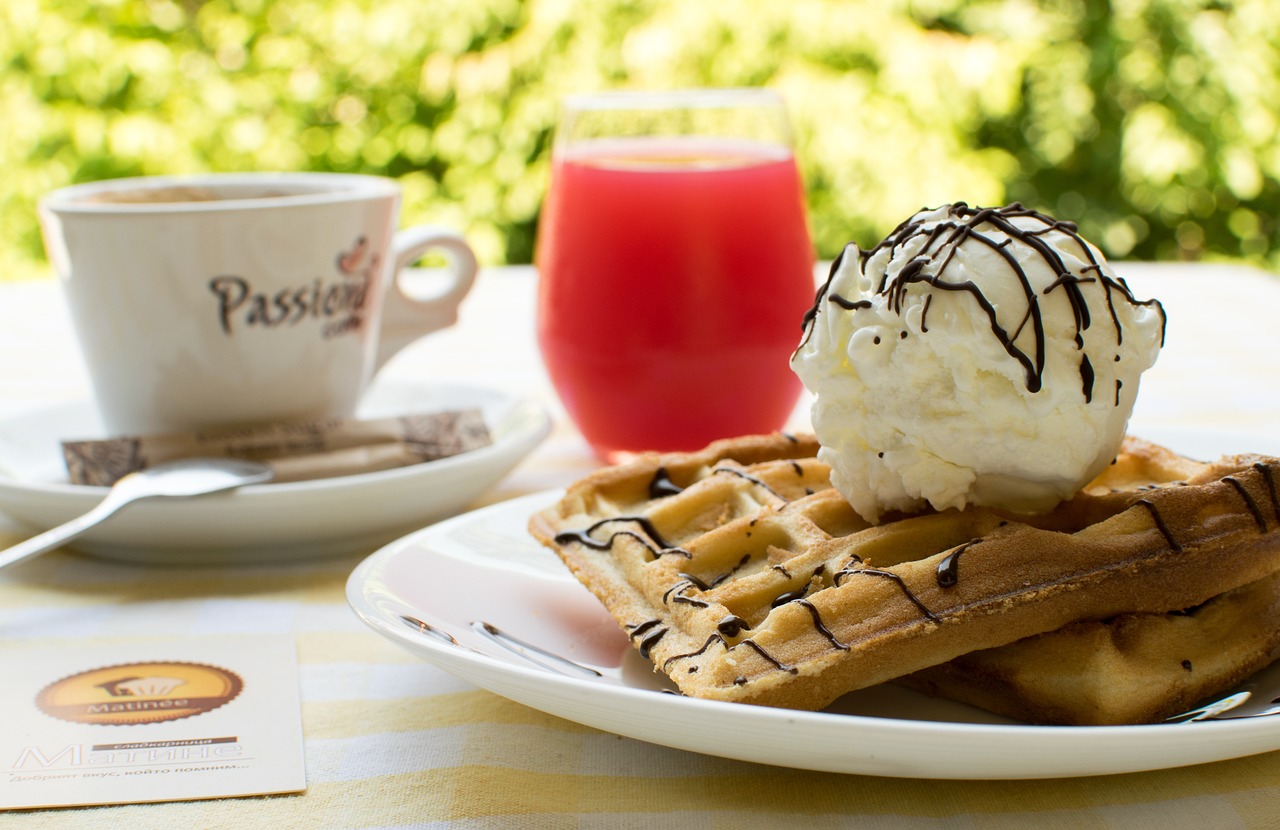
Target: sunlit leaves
{"type": "Point", "coordinates": [1152, 123]}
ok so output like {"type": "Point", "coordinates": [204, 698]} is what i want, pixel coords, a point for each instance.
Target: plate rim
{"type": "Point", "coordinates": [1215, 740]}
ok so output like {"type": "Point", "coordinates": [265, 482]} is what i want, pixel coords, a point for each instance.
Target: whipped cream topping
{"type": "Point", "coordinates": [983, 356]}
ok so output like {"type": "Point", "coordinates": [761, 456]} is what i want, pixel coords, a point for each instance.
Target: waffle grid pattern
{"type": "Point", "coordinates": [744, 576]}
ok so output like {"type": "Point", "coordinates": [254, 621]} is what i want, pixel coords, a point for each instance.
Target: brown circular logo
{"type": "Point", "coordinates": [134, 693]}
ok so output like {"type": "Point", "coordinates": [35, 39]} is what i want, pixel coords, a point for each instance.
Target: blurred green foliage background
{"type": "Point", "coordinates": [1153, 123]}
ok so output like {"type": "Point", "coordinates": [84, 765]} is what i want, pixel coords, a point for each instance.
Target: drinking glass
{"type": "Point", "coordinates": [675, 267]}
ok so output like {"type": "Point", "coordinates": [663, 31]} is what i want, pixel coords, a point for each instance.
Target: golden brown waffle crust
{"type": "Point", "coordinates": [1134, 668]}
{"type": "Point", "coordinates": [745, 577]}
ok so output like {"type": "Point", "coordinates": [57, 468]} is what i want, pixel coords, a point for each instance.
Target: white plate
{"type": "Point", "coordinates": [270, 522]}
{"type": "Point", "coordinates": [443, 591]}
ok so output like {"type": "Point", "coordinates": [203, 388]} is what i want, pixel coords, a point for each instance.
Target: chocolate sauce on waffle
{"type": "Point", "coordinates": [650, 632]}
{"type": "Point", "coordinates": [658, 546]}
{"type": "Point", "coordinates": [789, 596]}
{"type": "Point", "coordinates": [775, 662]}
{"type": "Point", "coordinates": [820, 625]}
{"type": "Point", "coordinates": [949, 567]}
{"type": "Point", "coordinates": [714, 638]}
{"type": "Point", "coordinates": [732, 626]}
{"type": "Point", "coordinates": [697, 583]}
{"type": "Point", "coordinates": [800, 593]}
{"type": "Point", "coordinates": [1248, 502]}
{"type": "Point", "coordinates": [1265, 471]}
{"type": "Point", "coordinates": [1160, 525]}
{"type": "Point", "coordinates": [662, 486]}
{"type": "Point", "coordinates": [675, 594]}
{"type": "Point", "coordinates": [847, 572]}
{"type": "Point", "coordinates": [750, 478]}
{"type": "Point", "coordinates": [647, 644]}
{"type": "Point", "coordinates": [636, 630]}
{"type": "Point", "coordinates": [722, 577]}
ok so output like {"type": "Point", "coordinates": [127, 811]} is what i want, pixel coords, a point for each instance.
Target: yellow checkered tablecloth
{"type": "Point", "coordinates": [392, 742]}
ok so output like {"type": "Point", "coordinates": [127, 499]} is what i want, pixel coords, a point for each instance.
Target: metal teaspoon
{"type": "Point", "coordinates": [175, 479]}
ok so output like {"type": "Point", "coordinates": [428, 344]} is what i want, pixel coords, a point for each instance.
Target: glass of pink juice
{"type": "Point", "coordinates": [675, 268]}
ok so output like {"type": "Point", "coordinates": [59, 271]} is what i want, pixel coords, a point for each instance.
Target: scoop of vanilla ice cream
{"type": "Point", "coordinates": [975, 356]}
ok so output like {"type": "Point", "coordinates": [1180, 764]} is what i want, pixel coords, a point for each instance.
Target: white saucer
{"type": "Point", "coordinates": [271, 522]}
{"type": "Point", "coordinates": [479, 598]}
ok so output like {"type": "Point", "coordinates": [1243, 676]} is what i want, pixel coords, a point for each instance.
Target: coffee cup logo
{"type": "Point", "coordinates": [129, 694]}
{"type": "Point", "coordinates": [338, 303]}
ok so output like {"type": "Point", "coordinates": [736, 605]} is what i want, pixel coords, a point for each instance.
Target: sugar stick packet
{"type": "Point", "coordinates": [296, 450]}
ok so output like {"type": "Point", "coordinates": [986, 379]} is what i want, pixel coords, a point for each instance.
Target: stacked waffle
{"type": "Point", "coordinates": [745, 576]}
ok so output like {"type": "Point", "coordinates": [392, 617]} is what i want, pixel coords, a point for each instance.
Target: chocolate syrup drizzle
{"type": "Point", "coordinates": [662, 486]}
{"type": "Point", "coordinates": [640, 628]}
{"type": "Point", "coordinates": [650, 632]}
{"type": "Point", "coordinates": [658, 546]}
{"type": "Point", "coordinates": [820, 625]}
{"type": "Point", "coordinates": [949, 568]}
{"type": "Point", "coordinates": [1265, 472]}
{"type": "Point", "coordinates": [775, 662]}
{"type": "Point", "coordinates": [849, 305]}
{"type": "Point", "coordinates": [806, 322]}
{"type": "Point", "coordinates": [1160, 525]}
{"type": "Point", "coordinates": [789, 596]}
{"type": "Point", "coordinates": [697, 583]}
{"type": "Point", "coordinates": [675, 594]}
{"type": "Point", "coordinates": [714, 638]}
{"type": "Point", "coordinates": [944, 238]}
{"type": "Point", "coordinates": [750, 478]}
{"type": "Point", "coordinates": [746, 557]}
{"type": "Point", "coordinates": [732, 626]}
{"type": "Point", "coordinates": [849, 570]}
{"type": "Point", "coordinates": [1248, 502]}
{"type": "Point", "coordinates": [1086, 377]}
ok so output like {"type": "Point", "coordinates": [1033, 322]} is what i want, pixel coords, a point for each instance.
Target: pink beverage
{"type": "Point", "coordinates": [674, 277]}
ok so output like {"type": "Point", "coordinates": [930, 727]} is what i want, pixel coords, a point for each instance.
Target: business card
{"type": "Point", "coordinates": [125, 722]}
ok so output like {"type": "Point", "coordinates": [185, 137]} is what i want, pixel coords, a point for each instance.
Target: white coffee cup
{"type": "Point", "coordinates": [241, 298]}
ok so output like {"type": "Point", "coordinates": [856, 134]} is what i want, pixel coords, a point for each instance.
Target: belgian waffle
{"type": "Point", "coordinates": [1134, 668]}
{"type": "Point", "coordinates": [744, 576]}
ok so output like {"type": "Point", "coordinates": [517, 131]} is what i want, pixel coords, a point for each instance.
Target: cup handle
{"type": "Point", "coordinates": [405, 318]}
